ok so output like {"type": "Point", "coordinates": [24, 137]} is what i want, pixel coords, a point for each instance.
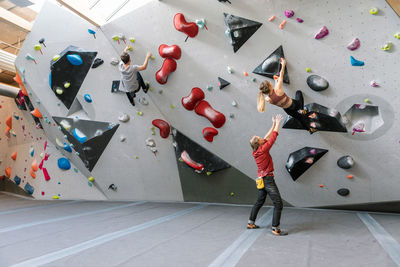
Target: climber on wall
{"type": "Point", "coordinates": [131, 80]}
{"type": "Point", "coordinates": [265, 181]}
{"type": "Point", "coordinates": [276, 96]}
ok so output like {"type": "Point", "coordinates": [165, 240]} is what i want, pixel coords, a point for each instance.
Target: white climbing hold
{"type": "Point", "coordinates": [122, 138]}
{"type": "Point", "coordinates": [123, 117]}
{"type": "Point", "coordinates": [114, 61]}
{"type": "Point", "coordinates": [229, 69]}
{"type": "Point", "coordinates": [65, 124]}
{"type": "Point", "coordinates": [374, 83]}
{"type": "Point", "coordinates": [143, 101]}
{"type": "Point", "coordinates": [234, 104]}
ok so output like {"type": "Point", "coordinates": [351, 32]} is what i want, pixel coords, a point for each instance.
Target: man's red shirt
{"type": "Point", "coordinates": [263, 158]}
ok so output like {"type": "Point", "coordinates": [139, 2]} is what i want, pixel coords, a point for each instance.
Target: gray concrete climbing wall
{"type": "Point", "coordinates": [207, 56]}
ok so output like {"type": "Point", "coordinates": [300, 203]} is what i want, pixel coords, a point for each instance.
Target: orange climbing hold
{"type": "Point", "coordinates": [282, 25]}
{"type": "Point", "coordinates": [9, 122]}
{"type": "Point", "coordinates": [34, 165]}
{"type": "Point", "coordinates": [14, 155]}
{"type": "Point", "coordinates": [350, 176]}
{"type": "Point", "coordinates": [321, 185]}
{"type": "Point", "coordinates": [271, 18]}
{"type": "Point", "coordinates": [245, 74]}
{"type": "Point", "coordinates": [17, 79]}
{"type": "Point", "coordinates": [8, 172]}
{"type": "Point", "coordinates": [33, 174]}
{"type": "Point", "coordinates": [36, 113]}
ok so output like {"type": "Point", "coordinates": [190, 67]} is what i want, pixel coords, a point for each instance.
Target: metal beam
{"type": "Point", "coordinates": [82, 11]}
{"type": "Point", "coordinates": [11, 18]}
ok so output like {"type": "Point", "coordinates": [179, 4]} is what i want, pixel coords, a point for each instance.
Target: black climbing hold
{"type": "Point", "coordinates": [31, 108]}
{"type": "Point", "coordinates": [272, 66]}
{"type": "Point", "coordinates": [211, 162]}
{"type": "Point", "coordinates": [345, 162]}
{"type": "Point", "coordinates": [325, 119]}
{"type": "Point", "coordinates": [343, 192]}
{"type": "Point", "coordinates": [62, 70]}
{"type": "Point", "coordinates": [112, 187]}
{"type": "Point", "coordinates": [222, 83]}
{"type": "Point", "coordinates": [97, 62]}
{"type": "Point", "coordinates": [41, 41]}
{"type": "Point", "coordinates": [299, 161]}
{"type": "Point", "coordinates": [98, 135]}
{"type": "Point", "coordinates": [317, 83]}
{"type": "Point", "coordinates": [225, 1]}
{"type": "Point", "coordinates": [241, 29]}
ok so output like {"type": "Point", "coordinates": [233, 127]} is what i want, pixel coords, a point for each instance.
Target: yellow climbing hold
{"type": "Point", "coordinates": [67, 85]}
{"type": "Point", "coordinates": [115, 37]}
{"type": "Point", "coordinates": [136, 157]}
{"type": "Point", "coordinates": [37, 47]}
{"type": "Point", "coordinates": [367, 101]}
{"type": "Point", "coordinates": [152, 57]}
{"type": "Point", "coordinates": [397, 35]}
{"type": "Point", "coordinates": [56, 57]}
{"type": "Point", "coordinates": [130, 48]}
{"type": "Point", "coordinates": [132, 39]}
{"type": "Point", "coordinates": [91, 179]}
{"type": "Point", "coordinates": [59, 91]}
{"type": "Point", "coordinates": [140, 113]}
{"type": "Point", "coordinates": [172, 106]}
{"type": "Point", "coordinates": [208, 173]}
{"type": "Point", "coordinates": [373, 11]}
{"type": "Point", "coordinates": [232, 194]}
{"type": "Point", "coordinates": [308, 69]}
{"type": "Point", "coordinates": [56, 197]}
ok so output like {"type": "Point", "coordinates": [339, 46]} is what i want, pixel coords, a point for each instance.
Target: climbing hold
{"type": "Point", "coordinates": [297, 163]}
{"type": "Point", "coordinates": [373, 11]}
{"type": "Point", "coordinates": [308, 70]}
{"type": "Point", "coordinates": [122, 138]}
{"type": "Point", "coordinates": [34, 165]}
{"type": "Point", "coordinates": [254, 80]}
{"type": "Point", "coordinates": [9, 121]}
{"type": "Point", "coordinates": [115, 38]}
{"type": "Point", "coordinates": [271, 18]}
{"type": "Point", "coordinates": [8, 172]}
{"type": "Point", "coordinates": [367, 100]}
{"type": "Point", "coordinates": [114, 61]}
{"type": "Point", "coordinates": [65, 124]}
{"type": "Point", "coordinates": [343, 192]}
{"type": "Point", "coordinates": [87, 98]}
{"type": "Point", "coordinates": [81, 137]}
{"type": "Point", "coordinates": [38, 47]}
{"type": "Point", "coordinates": [17, 180]}
{"type": "Point", "coordinates": [140, 113]}
{"type": "Point", "coordinates": [56, 57]}
{"type": "Point", "coordinates": [350, 176]}
{"type": "Point", "coordinates": [91, 179]}
{"type": "Point", "coordinates": [245, 74]}
{"type": "Point", "coordinates": [317, 83]}
{"type": "Point", "coordinates": [163, 126]}
{"type": "Point", "coordinates": [131, 39]}
{"type": "Point", "coordinates": [229, 70]}
{"type": "Point", "coordinates": [90, 31]}
{"type": "Point", "coordinates": [29, 189]}
{"type": "Point", "coordinates": [123, 117]}
{"type": "Point", "coordinates": [31, 151]}
{"type": "Point", "coordinates": [289, 13]}
{"type": "Point", "coordinates": [322, 33]}
{"type": "Point", "coordinates": [271, 65]}
{"type": "Point", "coordinates": [359, 127]}
{"type": "Point", "coordinates": [282, 25]}
{"type": "Point", "coordinates": [113, 187]}
{"type": "Point", "coordinates": [374, 83]}
{"type": "Point", "coordinates": [387, 46]}
{"type": "Point", "coordinates": [299, 20]}
{"type": "Point", "coordinates": [204, 109]}
{"type": "Point", "coordinates": [14, 155]}
{"type": "Point", "coordinates": [67, 147]}
{"type": "Point", "coordinates": [355, 62]}
{"type": "Point", "coordinates": [195, 165]}
{"type": "Point", "coordinates": [56, 197]}
{"type": "Point", "coordinates": [209, 88]}
{"type": "Point", "coordinates": [222, 83]}
{"type": "Point", "coordinates": [209, 133]}
{"type": "Point", "coordinates": [41, 41]}
{"type": "Point", "coordinates": [136, 157]}
{"type": "Point", "coordinates": [75, 59]}
{"type": "Point", "coordinates": [30, 57]}
{"type": "Point", "coordinates": [354, 44]}
{"type": "Point", "coordinates": [63, 163]}
{"type": "Point", "coordinates": [231, 115]}
{"type": "Point", "coordinates": [67, 85]}
{"type": "Point", "coordinates": [36, 113]}
{"type": "Point", "coordinates": [46, 174]}
{"type": "Point", "coordinates": [97, 62]}
{"type": "Point", "coordinates": [130, 48]}
{"type": "Point", "coordinates": [345, 162]}
{"type": "Point", "coordinates": [196, 95]}
{"type": "Point", "coordinates": [234, 104]}
{"type": "Point", "coordinates": [397, 35]}
{"type": "Point", "coordinates": [201, 23]}
{"type": "Point", "coordinates": [168, 66]}
{"type": "Point", "coordinates": [232, 194]}
{"type": "Point", "coordinates": [321, 185]}
{"type": "Point", "coordinates": [189, 28]}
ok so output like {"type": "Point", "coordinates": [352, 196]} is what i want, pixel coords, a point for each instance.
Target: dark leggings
{"type": "Point", "coordinates": [131, 95]}
{"type": "Point", "coordinates": [293, 110]}
{"type": "Point", "coordinates": [271, 189]}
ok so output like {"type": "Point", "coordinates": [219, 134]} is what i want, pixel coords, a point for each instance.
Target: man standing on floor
{"type": "Point", "coordinates": [265, 182]}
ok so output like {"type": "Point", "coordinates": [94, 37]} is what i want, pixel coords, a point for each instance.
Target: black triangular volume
{"type": "Point", "coordinates": [211, 162]}
{"type": "Point", "coordinates": [63, 71]}
{"type": "Point", "coordinates": [272, 66]}
{"type": "Point", "coordinates": [241, 29]}
{"type": "Point", "coordinates": [222, 83]}
{"type": "Point", "coordinates": [31, 108]}
{"type": "Point", "coordinates": [301, 160]}
{"type": "Point", "coordinates": [325, 119]}
{"type": "Point", "coordinates": [98, 135]}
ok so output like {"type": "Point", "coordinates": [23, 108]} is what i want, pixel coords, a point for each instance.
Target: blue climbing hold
{"type": "Point", "coordinates": [88, 98]}
{"type": "Point", "coordinates": [50, 80]}
{"type": "Point", "coordinates": [75, 59]}
{"type": "Point", "coordinates": [63, 163]}
{"type": "Point", "coordinates": [17, 180]}
{"type": "Point", "coordinates": [355, 62]}
{"type": "Point", "coordinates": [91, 31]}
{"type": "Point", "coordinates": [81, 137]}
{"type": "Point", "coordinates": [28, 188]}
{"type": "Point", "coordinates": [67, 147]}
{"type": "Point", "coordinates": [16, 116]}
{"type": "Point", "coordinates": [32, 151]}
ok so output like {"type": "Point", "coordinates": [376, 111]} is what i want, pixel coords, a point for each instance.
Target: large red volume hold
{"type": "Point", "coordinates": [167, 68]}
{"type": "Point", "coordinates": [189, 28]}
{"type": "Point", "coordinates": [209, 133]}
{"type": "Point", "coordinates": [163, 126]}
{"type": "Point", "coordinates": [195, 165]}
{"type": "Point", "coordinates": [215, 117]}
{"type": "Point", "coordinates": [196, 95]}
{"type": "Point", "coordinates": [170, 51]}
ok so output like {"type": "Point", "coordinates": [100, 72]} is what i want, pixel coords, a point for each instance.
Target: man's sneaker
{"type": "Point", "coordinates": [278, 231]}
{"type": "Point", "coordinates": [252, 226]}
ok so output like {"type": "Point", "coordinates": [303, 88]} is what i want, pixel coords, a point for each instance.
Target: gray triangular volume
{"type": "Point", "coordinates": [241, 29]}
{"type": "Point", "coordinates": [271, 66]}
{"type": "Point", "coordinates": [222, 83]}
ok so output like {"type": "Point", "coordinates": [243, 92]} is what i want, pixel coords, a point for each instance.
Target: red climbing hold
{"type": "Point", "coordinates": [8, 172]}
{"type": "Point", "coordinates": [46, 174]}
{"type": "Point", "coordinates": [196, 95]}
{"type": "Point", "coordinates": [170, 51]}
{"type": "Point", "coordinates": [209, 133]}
{"type": "Point", "coordinates": [195, 165]}
{"type": "Point", "coordinates": [163, 126]}
{"type": "Point", "coordinates": [167, 68]}
{"type": "Point", "coordinates": [14, 155]}
{"type": "Point", "coordinates": [9, 122]}
{"type": "Point", "coordinates": [189, 28]}
{"type": "Point", "coordinates": [215, 117]}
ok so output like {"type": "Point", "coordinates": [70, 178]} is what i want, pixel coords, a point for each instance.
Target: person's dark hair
{"type": "Point", "coordinates": [125, 57]}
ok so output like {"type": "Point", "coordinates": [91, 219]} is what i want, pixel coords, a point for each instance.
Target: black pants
{"type": "Point", "coordinates": [293, 110]}
{"type": "Point", "coordinates": [271, 189]}
{"type": "Point", "coordinates": [131, 95]}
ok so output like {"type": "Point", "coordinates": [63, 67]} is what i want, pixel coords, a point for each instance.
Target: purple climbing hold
{"type": "Point", "coordinates": [299, 20]}
{"type": "Point", "coordinates": [354, 44]}
{"type": "Point", "coordinates": [322, 33]}
{"type": "Point", "coordinates": [289, 13]}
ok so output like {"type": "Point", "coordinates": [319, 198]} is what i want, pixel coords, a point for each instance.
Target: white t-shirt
{"type": "Point", "coordinates": [129, 82]}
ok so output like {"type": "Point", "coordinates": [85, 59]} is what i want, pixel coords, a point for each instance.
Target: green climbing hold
{"type": "Point", "coordinates": [91, 179]}
{"type": "Point", "coordinates": [397, 35]}
{"type": "Point", "coordinates": [308, 69]}
{"type": "Point", "coordinates": [172, 106]}
{"type": "Point", "coordinates": [232, 194]}
{"type": "Point", "coordinates": [132, 39]}
{"type": "Point", "coordinates": [140, 113]}
{"type": "Point", "coordinates": [208, 173]}
{"type": "Point", "coordinates": [115, 38]}
{"type": "Point", "coordinates": [153, 128]}
{"type": "Point", "coordinates": [67, 85]}
{"type": "Point", "coordinates": [373, 11]}
{"type": "Point", "coordinates": [56, 57]}
{"type": "Point", "coordinates": [136, 157]}
{"type": "Point", "coordinates": [254, 80]}
{"type": "Point", "coordinates": [59, 91]}
{"type": "Point", "coordinates": [90, 184]}
{"type": "Point", "coordinates": [130, 48]}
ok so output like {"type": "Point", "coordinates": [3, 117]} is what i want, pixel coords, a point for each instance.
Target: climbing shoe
{"type": "Point", "coordinates": [252, 226]}
{"type": "Point", "coordinates": [312, 130]}
{"type": "Point", "coordinates": [278, 231]}
{"type": "Point", "coordinates": [303, 111]}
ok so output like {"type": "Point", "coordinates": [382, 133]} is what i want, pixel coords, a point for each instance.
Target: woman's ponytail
{"type": "Point", "coordinates": [260, 102]}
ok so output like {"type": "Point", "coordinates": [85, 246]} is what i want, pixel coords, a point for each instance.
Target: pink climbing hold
{"type": "Point", "coordinates": [170, 51]}
{"type": "Point", "coordinates": [289, 13]}
{"type": "Point", "coordinates": [209, 133]}
{"type": "Point", "coordinates": [272, 18]}
{"type": "Point", "coordinates": [322, 33]}
{"type": "Point", "coordinates": [354, 44]}
{"type": "Point", "coordinates": [215, 117]}
{"type": "Point", "coordinates": [167, 68]}
{"type": "Point", "coordinates": [163, 126]}
{"type": "Point", "coordinates": [299, 20]}
{"type": "Point", "coordinates": [46, 174]}
{"type": "Point", "coordinates": [195, 165]}
{"type": "Point", "coordinates": [196, 95]}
